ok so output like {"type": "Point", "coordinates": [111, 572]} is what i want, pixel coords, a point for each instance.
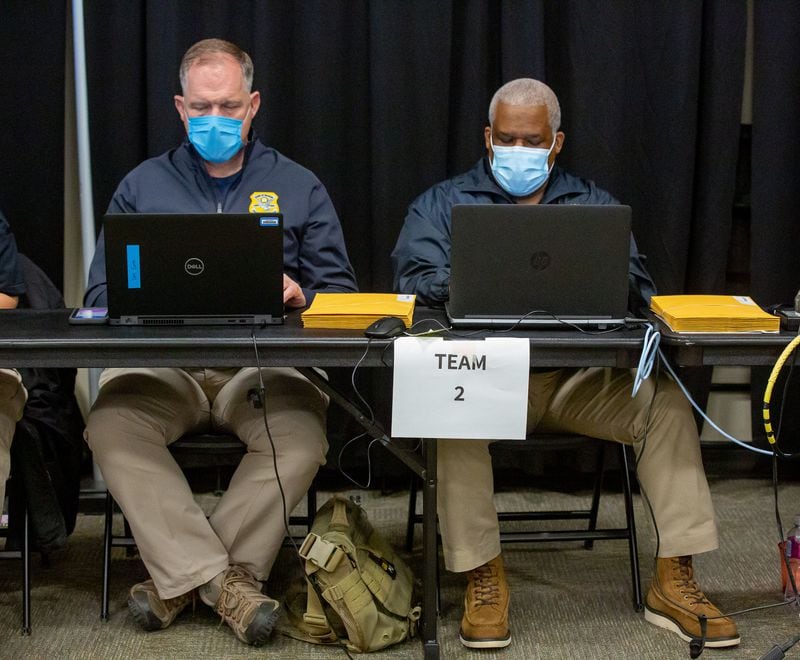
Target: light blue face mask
{"type": "Point", "coordinates": [216, 138]}
{"type": "Point", "coordinates": [521, 170]}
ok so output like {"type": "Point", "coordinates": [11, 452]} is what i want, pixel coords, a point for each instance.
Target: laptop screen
{"type": "Point", "coordinates": [194, 269]}
{"type": "Point", "coordinates": [539, 263]}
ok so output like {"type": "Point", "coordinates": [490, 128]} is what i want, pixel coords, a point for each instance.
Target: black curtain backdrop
{"type": "Point", "coordinates": [776, 152]}
{"type": "Point", "coordinates": [32, 44]}
{"type": "Point", "coordinates": [775, 193]}
{"type": "Point", "coordinates": [383, 99]}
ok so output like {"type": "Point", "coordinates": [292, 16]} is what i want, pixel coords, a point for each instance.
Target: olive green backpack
{"type": "Point", "coordinates": [367, 589]}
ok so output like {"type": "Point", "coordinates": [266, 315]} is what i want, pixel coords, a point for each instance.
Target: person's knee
{"type": "Point", "coordinates": [308, 446]}
{"type": "Point", "coordinates": [287, 389]}
{"type": "Point", "coordinates": [118, 417]}
{"type": "Point", "coordinates": [667, 417]}
{"type": "Point", "coordinates": [12, 395]}
{"type": "Point", "coordinates": [294, 415]}
{"type": "Point", "coordinates": [298, 435]}
{"type": "Point", "coordinates": [671, 404]}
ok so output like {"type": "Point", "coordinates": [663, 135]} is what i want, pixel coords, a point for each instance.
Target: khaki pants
{"type": "Point", "coordinates": [139, 412]}
{"type": "Point", "coordinates": [594, 402]}
{"type": "Point", "coordinates": [12, 403]}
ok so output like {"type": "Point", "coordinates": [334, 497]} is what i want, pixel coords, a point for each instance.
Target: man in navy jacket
{"type": "Point", "coordinates": [222, 167]}
{"type": "Point", "coordinates": [12, 392]}
{"type": "Point", "coordinates": [522, 143]}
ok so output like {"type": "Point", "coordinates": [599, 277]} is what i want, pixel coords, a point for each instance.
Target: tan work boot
{"type": "Point", "coordinates": [675, 602]}
{"type": "Point", "coordinates": [250, 614]}
{"type": "Point", "coordinates": [152, 612]}
{"type": "Point", "coordinates": [485, 621]}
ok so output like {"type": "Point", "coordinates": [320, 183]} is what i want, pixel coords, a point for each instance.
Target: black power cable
{"type": "Point", "coordinates": [696, 645]}
{"type": "Point", "coordinates": [778, 652]}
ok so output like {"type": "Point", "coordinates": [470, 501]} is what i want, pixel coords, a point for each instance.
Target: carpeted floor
{"type": "Point", "coordinates": [567, 602]}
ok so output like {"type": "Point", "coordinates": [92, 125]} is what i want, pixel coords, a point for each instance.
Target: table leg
{"type": "Point", "coordinates": [430, 554]}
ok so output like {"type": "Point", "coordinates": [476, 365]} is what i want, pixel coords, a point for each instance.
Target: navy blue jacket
{"type": "Point", "coordinates": [314, 252]}
{"type": "Point", "coordinates": [421, 258]}
{"type": "Point", "coordinates": [11, 280]}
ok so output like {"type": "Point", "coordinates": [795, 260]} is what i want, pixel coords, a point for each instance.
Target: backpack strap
{"type": "Point", "coordinates": [307, 620]}
{"type": "Point", "coordinates": [319, 554]}
{"type": "Point", "coordinates": [317, 625]}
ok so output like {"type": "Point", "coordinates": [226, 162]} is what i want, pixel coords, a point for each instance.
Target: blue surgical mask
{"type": "Point", "coordinates": [216, 138]}
{"type": "Point", "coordinates": [521, 170]}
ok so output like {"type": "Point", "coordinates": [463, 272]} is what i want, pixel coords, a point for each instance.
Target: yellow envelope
{"type": "Point", "coordinates": [357, 310]}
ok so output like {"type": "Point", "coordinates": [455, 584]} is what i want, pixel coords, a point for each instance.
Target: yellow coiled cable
{"type": "Point", "coordinates": [771, 383]}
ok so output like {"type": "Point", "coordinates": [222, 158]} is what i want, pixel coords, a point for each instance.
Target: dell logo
{"type": "Point", "coordinates": [540, 260]}
{"type": "Point", "coordinates": [194, 266]}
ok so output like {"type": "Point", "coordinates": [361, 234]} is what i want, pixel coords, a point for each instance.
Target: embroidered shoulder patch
{"type": "Point", "coordinates": [264, 202]}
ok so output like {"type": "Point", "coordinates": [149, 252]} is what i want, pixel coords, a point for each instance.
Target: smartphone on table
{"type": "Point", "coordinates": [82, 315]}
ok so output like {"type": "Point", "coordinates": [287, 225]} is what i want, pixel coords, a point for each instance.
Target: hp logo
{"type": "Point", "coordinates": [540, 260]}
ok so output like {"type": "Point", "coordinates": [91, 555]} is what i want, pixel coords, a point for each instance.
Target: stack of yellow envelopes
{"type": "Point", "coordinates": [713, 314]}
{"type": "Point", "coordinates": [357, 311]}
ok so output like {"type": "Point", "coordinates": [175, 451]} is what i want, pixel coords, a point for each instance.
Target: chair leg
{"type": "Point", "coordinates": [307, 519]}
{"type": "Point", "coordinates": [107, 533]}
{"type": "Point", "coordinates": [632, 544]}
{"type": "Point", "coordinates": [26, 574]}
{"type": "Point", "coordinates": [311, 507]}
{"type": "Point", "coordinates": [600, 470]}
{"type": "Point", "coordinates": [130, 550]}
{"type": "Point", "coordinates": [412, 513]}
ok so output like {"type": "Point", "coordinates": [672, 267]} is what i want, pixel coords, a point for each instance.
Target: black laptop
{"type": "Point", "coordinates": [539, 265]}
{"type": "Point", "coordinates": [194, 269]}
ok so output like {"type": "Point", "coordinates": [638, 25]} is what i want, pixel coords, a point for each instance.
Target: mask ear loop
{"type": "Point", "coordinates": [553, 146]}
{"type": "Point", "coordinates": [549, 151]}
{"type": "Point", "coordinates": [491, 141]}
{"type": "Point", "coordinates": [246, 140]}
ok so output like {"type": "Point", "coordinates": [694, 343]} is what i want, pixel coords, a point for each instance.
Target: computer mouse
{"type": "Point", "coordinates": [388, 326]}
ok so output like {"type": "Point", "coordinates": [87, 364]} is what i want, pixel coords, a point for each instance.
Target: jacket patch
{"type": "Point", "coordinates": [264, 202]}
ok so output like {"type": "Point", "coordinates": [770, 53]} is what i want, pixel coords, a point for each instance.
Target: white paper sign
{"type": "Point", "coordinates": [460, 389]}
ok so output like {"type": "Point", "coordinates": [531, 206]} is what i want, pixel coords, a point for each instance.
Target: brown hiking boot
{"type": "Point", "coordinates": [250, 614]}
{"type": "Point", "coordinates": [485, 621]}
{"type": "Point", "coordinates": [152, 612]}
{"type": "Point", "coordinates": [675, 602]}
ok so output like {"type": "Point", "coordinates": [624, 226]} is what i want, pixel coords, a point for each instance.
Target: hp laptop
{"type": "Point", "coordinates": [539, 264]}
{"type": "Point", "coordinates": [194, 269]}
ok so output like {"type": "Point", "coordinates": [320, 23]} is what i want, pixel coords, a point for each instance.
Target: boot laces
{"type": "Point", "coordinates": [240, 596]}
{"type": "Point", "coordinates": [684, 577]}
{"type": "Point", "coordinates": [485, 586]}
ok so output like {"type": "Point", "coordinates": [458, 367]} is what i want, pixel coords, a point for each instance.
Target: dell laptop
{"type": "Point", "coordinates": [539, 265]}
{"type": "Point", "coordinates": [194, 269]}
